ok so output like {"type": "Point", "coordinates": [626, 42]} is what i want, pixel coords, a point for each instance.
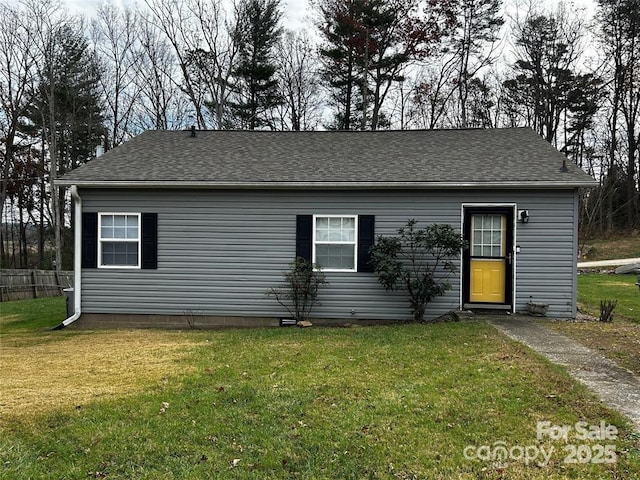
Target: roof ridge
{"type": "Point", "coordinates": [409, 130]}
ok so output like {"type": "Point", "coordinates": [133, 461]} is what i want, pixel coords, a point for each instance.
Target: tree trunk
{"type": "Point", "coordinates": [418, 312]}
{"type": "Point", "coordinates": [346, 121]}
{"type": "Point", "coordinates": [632, 194]}
{"type": "Point", "coordinates": [23, 249]}
{"type": "Point", "coordinates": [53, 175]}
{"type": "Point", "coordinates": [2, 253]}
{"type": "Point", "coordinates": [365, 87]}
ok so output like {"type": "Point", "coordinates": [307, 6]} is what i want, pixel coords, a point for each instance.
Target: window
{"type": "Point", "coordinates": [341, 242]}
{"type": "Point", "coordinates": [487, 238]}
{"type": "Point", "coordinates": [119, 240]}
{"type": "Point", "coordinates": [334, 242]}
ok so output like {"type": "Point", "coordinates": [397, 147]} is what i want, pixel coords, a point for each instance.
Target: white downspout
{"type": "Point", "coordinates": [77, 260]}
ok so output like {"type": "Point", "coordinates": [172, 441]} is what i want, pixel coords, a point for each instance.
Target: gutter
{"type": "Point", "coordinates": [77, 262]}
{"type": "Point", "coordinates": [531, 184]}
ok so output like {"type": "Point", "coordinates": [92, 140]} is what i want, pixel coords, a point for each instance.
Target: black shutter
{"type": "Point", "coordinates": [89, 240]}
{"type": "Point", "coordinates": [366, 239]}
{"type": "Point", "coordinates": [304, 226]}
{"type": "Point", "coordinates": [149, 240]}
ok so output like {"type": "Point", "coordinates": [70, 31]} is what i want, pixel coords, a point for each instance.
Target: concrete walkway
{"type": "Point", "coordinates": [616, 386]}
{"type": "Point", "coordinates": [609, 263]}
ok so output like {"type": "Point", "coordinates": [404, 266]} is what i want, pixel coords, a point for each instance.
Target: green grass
{"type": "Point", "coordinates": [32, 314]}
{"type": "Point", "coordinates": [593, 287]}
{"type": "Point", "coordinates": [618, 340]}
{"type": "Point", "coordinates": [378, 402]}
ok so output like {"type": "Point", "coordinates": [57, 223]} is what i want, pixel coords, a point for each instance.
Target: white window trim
{"type": "Point", "coordinates": [139, 240]}
{"type": "Point", "coordinates": [355, 242]}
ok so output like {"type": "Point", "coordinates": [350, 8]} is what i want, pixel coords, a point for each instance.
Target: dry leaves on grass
{"type": "Point", "coordinates": [618, 340]}
{"type": "Point", "coordinates": [72, 370]}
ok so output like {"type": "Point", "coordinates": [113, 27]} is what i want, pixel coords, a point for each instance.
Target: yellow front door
{"type": "Point", "coordinates": [488, 263]}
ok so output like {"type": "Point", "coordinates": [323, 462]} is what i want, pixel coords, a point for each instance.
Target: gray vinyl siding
{"type": "Point", "coordinates": [219, 250]}
{"type": "Point", "coordinates": [546, 265]}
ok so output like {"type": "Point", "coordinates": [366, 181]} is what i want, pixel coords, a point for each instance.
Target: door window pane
{"type": "Point", "coordinates": [487, 235]}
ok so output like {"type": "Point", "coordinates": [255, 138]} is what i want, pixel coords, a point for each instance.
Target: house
{"type": "Point", "coordinates": [184, 227]}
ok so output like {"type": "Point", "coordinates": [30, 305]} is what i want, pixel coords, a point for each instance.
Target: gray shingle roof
{"type": "Point", "coordinates": [408, 158]}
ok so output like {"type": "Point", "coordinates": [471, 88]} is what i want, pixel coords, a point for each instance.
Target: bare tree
{"type": "Point", "coordinates": [620, 35]}
{"type": "Point", "coordinates": [202, 34]}
{"type": "Point", "coordinates": [299, 82]}
{"type": "Point", "coordinates": [115, 35]}
{"type": "Point", "coordinates": [431, 94]}
{"type": "Point", "coordinates": [17, 79]}
{"type": "Point", "coordinates": [161, 104]}
{"type": "Point", "coordinates": [215, 59]}
{"type": "Point", "coordinates": [173, 18]}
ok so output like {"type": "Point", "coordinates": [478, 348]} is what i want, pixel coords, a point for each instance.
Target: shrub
{"type": "Point", "coordinates": [299, 291]}
{"type": "Point", "coordinates": [606, 310]}
{"type": "Point", "coordinates": [418, 261]}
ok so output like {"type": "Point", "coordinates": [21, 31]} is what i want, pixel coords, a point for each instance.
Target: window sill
{"type": "Point", "coordinates": [125, 267]}
{"type": "Point", "coordinates": [335, 270]}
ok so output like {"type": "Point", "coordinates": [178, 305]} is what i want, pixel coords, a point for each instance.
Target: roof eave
{"type": "Point", "coordinates": [324, 185]}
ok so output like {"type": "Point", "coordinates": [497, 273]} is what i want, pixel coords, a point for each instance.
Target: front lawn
{"type": "Point", "coordinates": [619, 340]}
{"type": "Point", "coordinates": [593, 287]}
{"type": "Point", "coordinates": [400, 401]}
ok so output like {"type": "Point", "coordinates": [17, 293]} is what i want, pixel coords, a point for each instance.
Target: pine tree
{"type": "Point", "coordinates": [341, 53]}
{"type": "Point", "coordinates": [546, 70]}
{"type": "Point", "coordinates": [367, 45]}
{"type": "Point", "coordinates": [70, 89]}
{"type": "Point", "coordinates": [66, 111]}
{"type": "Point", "coordinates": [473, 43]}
{"type": "Point", "coordinates": [258, 32]}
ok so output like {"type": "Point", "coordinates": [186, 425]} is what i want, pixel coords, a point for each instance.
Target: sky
{"type": "Point", "coordinates": [294, 10]}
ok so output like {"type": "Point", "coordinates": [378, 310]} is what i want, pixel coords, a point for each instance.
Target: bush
{"type": "Point", "coordinates": [299, 291]}
{"type": "Point", "coordinates": [606, 310]}
{"type": "Point", "coordinates": [418, 261]}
